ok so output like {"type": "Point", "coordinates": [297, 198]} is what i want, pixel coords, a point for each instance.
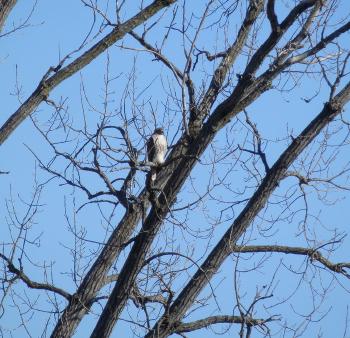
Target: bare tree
{"type": "Point", "coordinates": [231, 236]}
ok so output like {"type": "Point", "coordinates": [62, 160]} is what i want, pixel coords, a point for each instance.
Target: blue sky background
{"type": "Point", "coordinates": [56, 29]}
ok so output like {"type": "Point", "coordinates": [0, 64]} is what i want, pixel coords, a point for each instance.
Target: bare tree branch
{"type": "Point", "coordinates": [205, 322]}
{"type": "Point", "coordinates": [256, 203]}
{"type": "Point", "coordinates": [313, 254]}
{"type": "Point", "coordinates": [271, 15]}
{"type": "Point", "coordinates": [31, 284]}
{"type": "Point", "coordinates": [148, 242]}
{"type": "Point", "coordinates": [161, 207]}
{"type": "Point", "coordinates": [48, 83]}
{"type": "Point", "coordinates": [196, 120]}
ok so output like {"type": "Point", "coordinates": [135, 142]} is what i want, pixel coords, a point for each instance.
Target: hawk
{"type": "Point", "coordinates": [156, 149]}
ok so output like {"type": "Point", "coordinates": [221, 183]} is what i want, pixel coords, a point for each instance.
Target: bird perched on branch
{"type": "Point", "coordinates": [156, 149]}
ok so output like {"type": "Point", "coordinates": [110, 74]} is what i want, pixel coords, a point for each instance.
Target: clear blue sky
{"type": "Point", "coordinates": [56, 28]}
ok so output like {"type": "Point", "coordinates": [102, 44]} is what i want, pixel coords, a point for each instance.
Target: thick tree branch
{"type": "Point", "coordinates": [136, 296]}
{"type": "Point", "coordinates": [217, 256]}
{"type": "Point", "coordinates": [271, 15]}
{"type": "Point", "coordinates": [313, 254]}
{"type": "Point", "coordinates": [47, 84]}
{"type": "Point", "coordinates": [247, 85]}
{"type": "Point", "coordinates": [249, 89]}
{"type": "Point", "coordinates": [161, 206]}
{"type": "Point", "coordinates": [93, 281]}
{"type": "Point", "coordinates": [275, 36]}
{"type": "Point", "coordinates": [205, 322]}
{"type": "Point", "coordinates": [320, 45]}
{"type": "Point", "coordinates": [175, 174]}
{"type": "Point", "coordinates": [134, 262]}
{"type": "Point", "coordinates": [5, 8]}
{"type": "Point", "coordinates": [253, 11]}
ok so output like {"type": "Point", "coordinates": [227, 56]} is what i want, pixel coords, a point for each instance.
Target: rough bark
{"type": "Point", "coordinates": [5, 8]}
{"type": "Point", "coordinates": [205, 322]}
{"type": "Point", "coordinates": [81, 301]}
{"type": "Point", "coordinates": [313, 254]}
{"type": "Point", "coordinates": [165, 326]}
{"type": "Point", "coordinates": [182, 160]}
{"type": "Point", "coordinates": [245, 92]}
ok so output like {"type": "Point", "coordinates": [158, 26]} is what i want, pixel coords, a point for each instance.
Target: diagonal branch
{"type": "Point", "coordinates": [173, 177]}
{"type": "Point", "coordinates": [158, 55]}
{"type": "Point", "coordinates": [179, 172]}
{"type": "Point", "coordinates": [136, 296]}
{"type": "Point", "coordinates": [31, 284]}
{"type": "Point", "coordinates": [253, 11]}
{"type": "Point", "coordinates": [47, 84]}
{"type": "Point", "coordinates": [247, 84]}
{"type": "Point", "coordinates": [249, 89]}
{"type": "Point", "coordinates": [218, 255]}
{"type": "Point", "coordinates": [320, 45]}
{"type": "Point", "coordinates": [94, 279]}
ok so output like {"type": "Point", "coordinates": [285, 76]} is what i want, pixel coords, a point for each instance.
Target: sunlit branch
{"type": "Point", "coordinates": [313, 254]}
{"type": "Point", "coordinates": [205, 322]}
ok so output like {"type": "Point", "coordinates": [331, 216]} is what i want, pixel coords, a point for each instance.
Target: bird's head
{"type": "Point", "coordinates": [159, 131]}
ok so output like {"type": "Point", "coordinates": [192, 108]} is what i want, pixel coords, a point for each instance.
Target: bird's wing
{"type": "Point", "coordinates": [151, 149]}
